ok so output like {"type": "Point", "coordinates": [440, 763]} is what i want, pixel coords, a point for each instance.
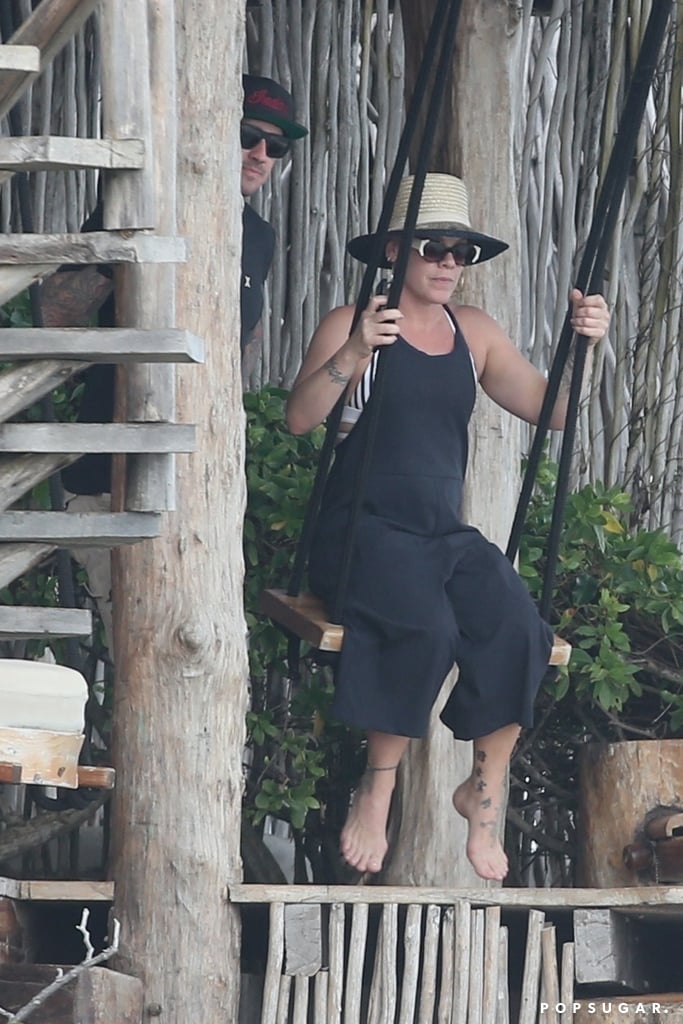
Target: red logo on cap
{"type": "Point", "coordinates": [261, 98]}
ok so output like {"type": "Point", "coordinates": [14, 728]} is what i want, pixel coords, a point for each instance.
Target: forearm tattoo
{"type": "Point", "coordinates": [335, 374]}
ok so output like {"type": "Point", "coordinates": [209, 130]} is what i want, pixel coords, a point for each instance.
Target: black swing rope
{"type": "Point", "coordinates": [446, 14]}
{"type": "Point", "coordinates": [588, 280]}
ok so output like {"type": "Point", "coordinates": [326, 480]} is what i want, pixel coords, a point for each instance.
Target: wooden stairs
{"type": "Point", "coordinates": [36, 360]}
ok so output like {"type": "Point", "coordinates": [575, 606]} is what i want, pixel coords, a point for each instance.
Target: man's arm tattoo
{"type": "Point", "coordinates": [335, 374]}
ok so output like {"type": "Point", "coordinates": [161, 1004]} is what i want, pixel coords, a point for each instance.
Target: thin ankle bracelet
{"type": "Point", "coordinates": [384, 768]}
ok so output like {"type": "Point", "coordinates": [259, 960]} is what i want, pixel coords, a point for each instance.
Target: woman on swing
{"type": "Point", "coordinates": [426, 589]}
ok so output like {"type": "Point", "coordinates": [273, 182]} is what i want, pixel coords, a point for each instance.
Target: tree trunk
{"type": "Point", "coordinates": [480, 115]}
{"type": "Point", "coordinates": [179, 627]}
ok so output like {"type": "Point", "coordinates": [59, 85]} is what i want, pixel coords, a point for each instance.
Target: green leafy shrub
{"type": "Point", "coordinates": [618, 598]}
{"type": "Point", "coordinates": [302, 765]}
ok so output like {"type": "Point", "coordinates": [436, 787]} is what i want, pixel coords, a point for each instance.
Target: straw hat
{"type": "Point", "coordinates": [444, 210]}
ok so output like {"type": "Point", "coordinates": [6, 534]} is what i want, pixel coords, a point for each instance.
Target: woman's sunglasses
{"type": "Point", "coordinates": [430, 249]}
{"type": "Point", "coordinates": [276, 145]}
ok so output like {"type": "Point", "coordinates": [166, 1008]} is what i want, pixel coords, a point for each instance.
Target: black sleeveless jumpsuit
{"type": "Point", "coordinates": [425, 589]}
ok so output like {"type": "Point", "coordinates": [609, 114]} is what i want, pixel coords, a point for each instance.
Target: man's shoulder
{"type": "Point", "coordinates": [256, 226]}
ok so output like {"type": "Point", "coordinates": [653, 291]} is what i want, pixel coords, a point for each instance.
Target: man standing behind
{"type": "Point", "coordinates": [266, 134]}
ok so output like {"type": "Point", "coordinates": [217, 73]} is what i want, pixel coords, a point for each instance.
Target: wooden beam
{"type": "Point", "coordinates": [20, 58]}
{"type": "Point", "coordinates": [635, 899]}
{"type": "Point", "coordinates": [90, 247]}
{"type": "Point", "coordinates": [79, 529]}
{"type": "Point", "coordinates": [25, 384]}
{"type": "Point", "coordinates": [14, 279]}
{"type": "Point", "coordinates": [24, 623]}
{"type": "Point", "coordinates": [22, 472]}
{"type": "Point", "coordinates": [10, 772]}
{"type": "Point", "coordinates": [48, 28]}
{"type": "Point", "coordinates": [17, 559]}
{"type": "Point", "coordinates": [96, 776]}
{"type": "Point", "coordinates": [102, 344]}
{"type": "Point", "coordinates": [84, 438]}
{"type": "Point", "coordinates": [62, 153]}
{"type": "Point", "coordinates": [45, 758]}
{"type": "Point", "coordinates": [67, 892]}
{"type": "Point", "coordinates": [608, 950]}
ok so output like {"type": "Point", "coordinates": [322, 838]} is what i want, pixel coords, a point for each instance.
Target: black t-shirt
{"type": "Point", "coordinates": [258, 244]}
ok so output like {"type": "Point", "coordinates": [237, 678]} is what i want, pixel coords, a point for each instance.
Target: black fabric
{"type": "Point", "coordinates": [258, 244]}
{"type": "Point", "coordinates": [425, 589]}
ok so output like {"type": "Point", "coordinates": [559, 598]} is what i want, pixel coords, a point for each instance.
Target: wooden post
{"type": "Point", "coordinates": [179, 625]}
{"type": "Point", "coordinates": [619, 785]}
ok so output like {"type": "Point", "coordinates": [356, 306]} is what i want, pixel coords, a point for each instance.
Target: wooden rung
{"type": "Point", "coordinates": [91, 247]}
{"type": "Point", "coordinates": [59, 152]}
{"type": "Point", "coordinates": [20, 58]}
{"type": "Point", "coordinates": [24, 623]}
{"type": "Point", "coordinates": [305, 616]}
{"type": "Point", "coordinates": [10, 772]}
{"type": "Point", "coordinates": [49, 890]}
{"type": "Point", "coordinates": [102, 344]}
{"type": "Point", "coordinates": [45, 758]}
{"type": "Point", "coordinates": [79, 529]}
{"type": "Point", "coordinates": [96, 777]}
{"type": "Point", "coordinates": [84, 438]}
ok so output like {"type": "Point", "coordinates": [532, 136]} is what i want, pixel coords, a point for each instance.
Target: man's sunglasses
{"type": "Point", "coordinates": [276, 145]}
{"type": "Point", "coordinates": [430, 249]}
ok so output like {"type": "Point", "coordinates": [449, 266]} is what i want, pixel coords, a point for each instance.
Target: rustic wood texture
{"type": "Point", "coordinates": [24, 384]}
{"type": "Point", "coordinates": [354, 977]}
{"type": "Point", "coordinates": [91, 247]}
{"type": "Point", "coordinates": [550, 983]}
{"type": "Point", "coordinates": [645, 1009]}
{"type": "Point", "coordinates": [71, 438]}
{"type": "Point", "coordinates": [14, 279]}
{"type": "Point", "coordinates": [46, 758]}
{"type": "Point", "coordinates": [276, 946]}
{"type": "Point", "coordinates": [624, 781]}
{"type": "Point", "coordinates": [412, 958]}
{"type": "Point", "coordinates": [96, 776]}
{"type": "Point", "coordinates": [335, 976]}
{"type": "Point", "coordinates": [55, 153]}
{"type": "Point", "coordinates": [22, 472]}
{"type": "Point", "coordinates": [23, 623]}
{"type": "Point", "coordinates": [303, 939]}
{"type": "Point", "coordinates": [102, 344]}
{"type": "Point", "coordinates": [175, 588]}
{"type": "Point", "coordinates": [79, 529]}
{"type": "Point", "coordinates": [97, 996]}
{"type": "Point", "coordinates": [16, 559]}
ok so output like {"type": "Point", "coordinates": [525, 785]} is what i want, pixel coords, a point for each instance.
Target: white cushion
{"type": "Point", "coordinates": [38, 695]}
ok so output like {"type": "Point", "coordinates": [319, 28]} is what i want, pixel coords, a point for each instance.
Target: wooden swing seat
{"type": "Point", "coordinates": [306, 617]}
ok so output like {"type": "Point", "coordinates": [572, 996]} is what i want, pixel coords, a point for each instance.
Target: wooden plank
{"type": "Point", "coordinates": [22, 472]}
{"type": "Point", "coordinates": [503, 1004]}
{"type": "Point", "coordinates": [608, 950]}
{"type": "Point", "coordinates": [82, 438]}
{"type": "Point", "coordinates": [429, 962]}
{"type": "Point", "coordinates": [320, 998]}
{"type": "Point", "coordinates": [19, 58]}
{"type": "Point", "coordinates": [567, 983]}
{"type": "Point", "coordinates": [79, 529]}
{"type": "Point", "coordinates": [335, 981]}
{"type": "Point", "coordinates": [389, 943]}
{"type": "Point", "coordinates": [90, 247]}
{"type": "Point", "coordinates": [491, 958]}
{"type": "Point", "coordinates": [276, 946]}
{"type": "Point", "coordinates": [550, 984]}
{"type": "Point", "coordinates": [16, 559]}
{"type": "Point", "coordinates": [444, 1013]}
{"type": "Point", "coordinates": [60, 152]}
{"type": "Point", "coordinates": [46, 758]}
{"type": "Point", "coordinates": [300, 1009]}
{"type": "Point", "coordinates": [303, 939]}
{"type": "Point", "coordinates": [96, 776]}
{"type": "Point", "coordinates": [15, 279]}
{"type": "Point", "coordinates": [354, 974]}
{"type": "Point", "coordinates": [24, 623]}
{"type": "Point", "coordinates": [102, 344]}
{"type": "Point", "coordinates": [306, 616]}
{"type": "Point", "coordinates": [48, 28]}
{"type": "Point", "coordinates": [57, 891]}
{"type": "Point", "coordinates": [531, 978]}
{"type": "Point", "coordinates": [411, 946]}
{"type": "Point", "coordinates": [475, 997]}
{"type": "Point", "coordinates": [25, 383]}
{"type": "Point", "coordinates": [636, 899]}
{"type": "Point", "coordinates": [283, 996]}
{"type": "Point", "coordinates": [461, 985]}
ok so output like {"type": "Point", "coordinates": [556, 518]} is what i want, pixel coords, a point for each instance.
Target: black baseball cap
{"type": "Point", "coordinates": [266, 100]}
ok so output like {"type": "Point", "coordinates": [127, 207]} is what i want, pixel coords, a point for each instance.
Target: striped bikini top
{"type": "Point", "coordinates": [360, 396]}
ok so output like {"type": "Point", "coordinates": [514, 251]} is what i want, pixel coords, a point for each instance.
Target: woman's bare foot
{"type": "Point", "coordinates": [364, 836]}
{"type": "Point", "coordinates": [482, 810]}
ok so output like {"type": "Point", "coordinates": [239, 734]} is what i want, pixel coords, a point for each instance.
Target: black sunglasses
{"type": "Point", "coordinates": [276, 145]}
{"type": "Point", "coordinates": [434, 251]}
